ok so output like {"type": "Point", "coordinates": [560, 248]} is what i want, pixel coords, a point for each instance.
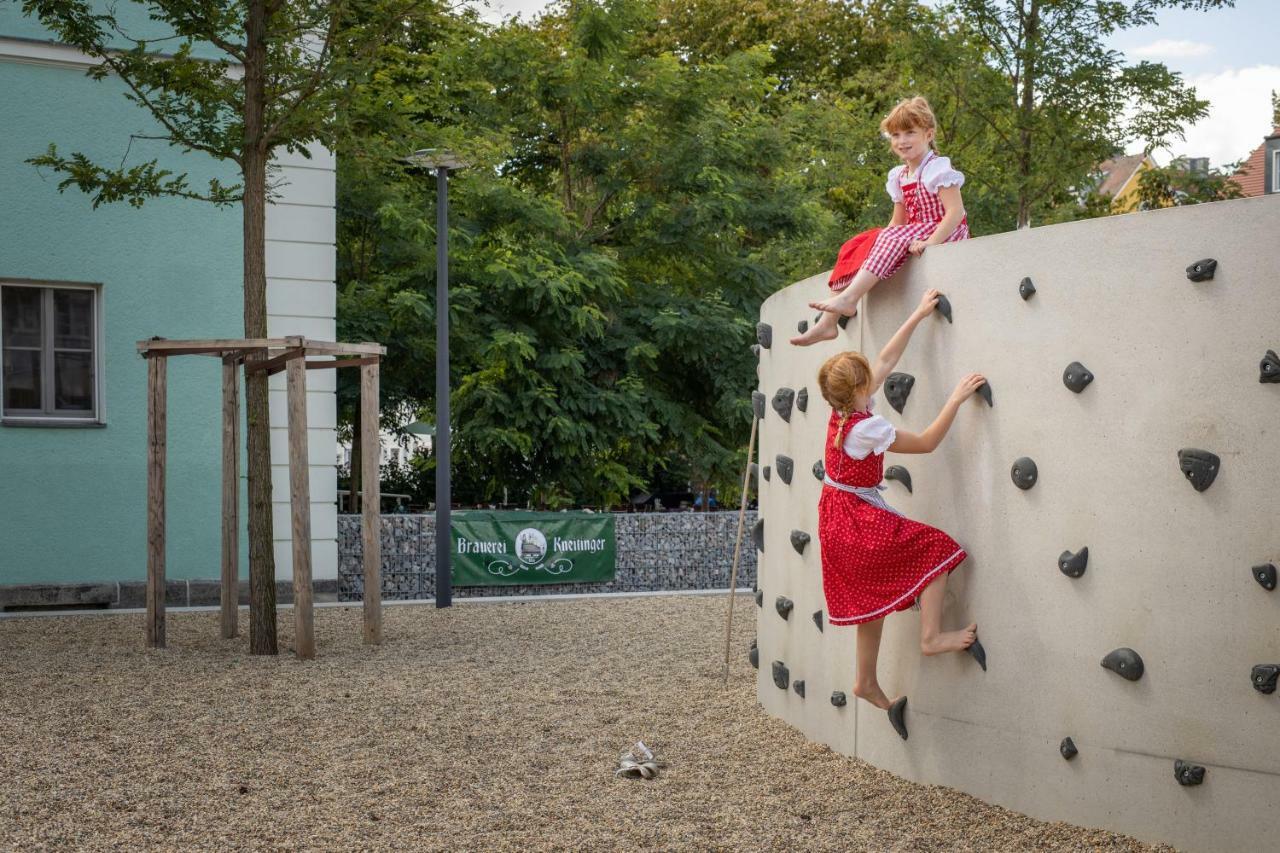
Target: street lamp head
{"type": "Point", "coordinates": [436, 158]}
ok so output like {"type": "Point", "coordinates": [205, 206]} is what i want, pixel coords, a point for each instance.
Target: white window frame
{"type": "Point", "coordinates": [97, 416]}
{"type": "Point", "coordinates": [1275, 170]}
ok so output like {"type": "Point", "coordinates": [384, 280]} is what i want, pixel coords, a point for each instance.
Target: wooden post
{"type": "Point", "coordinates": [230, 497]}
{"type": "Point", "coordinates": [156, 411]}
{"type": "Point", "coordinates": [300, 507]}
{"type": "Point", "coordinates": [371, 525]}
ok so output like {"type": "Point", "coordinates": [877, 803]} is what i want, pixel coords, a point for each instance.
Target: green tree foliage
{"type": "Point", "coordinates": [1175, 185]}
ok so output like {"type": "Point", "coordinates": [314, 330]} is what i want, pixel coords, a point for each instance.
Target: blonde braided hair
{"type": "Point", "coordinates": [844, 378]}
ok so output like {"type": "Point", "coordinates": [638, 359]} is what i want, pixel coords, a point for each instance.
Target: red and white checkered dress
{"type": "Point", "coordinates": [874, 561]}
{"type": "Point", "coordinates": [882, 251]}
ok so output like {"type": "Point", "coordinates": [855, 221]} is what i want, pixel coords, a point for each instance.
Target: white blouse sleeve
{"type": "Point", "coordinates": [893, 186]}
{"type": "Point", "coordinates": [938, 173]}
{"type": "Point", "coordinates": [870, 435]}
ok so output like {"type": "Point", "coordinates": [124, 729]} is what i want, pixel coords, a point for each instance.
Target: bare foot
{"type": "Point", "coordinates": [874, 695]}
{"type": "Point", "coordinates": [950, 641]}
{"type": "Point", "coordinates": [823, 330]}
{"type": "Point", "coordinates": [842, 303]}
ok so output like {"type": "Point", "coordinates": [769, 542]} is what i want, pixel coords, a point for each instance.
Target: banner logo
{"type": "Point", "coordinates": [531, 546]}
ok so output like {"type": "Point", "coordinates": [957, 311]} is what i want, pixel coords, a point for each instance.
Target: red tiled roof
{"type": "Point", "coordinates": [1117, 172]}
{"type": "Point", "coordinates": [1251, 176]}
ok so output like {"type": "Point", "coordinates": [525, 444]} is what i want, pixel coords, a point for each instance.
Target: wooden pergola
{"type": "Point", "coordinates": [272, 355]}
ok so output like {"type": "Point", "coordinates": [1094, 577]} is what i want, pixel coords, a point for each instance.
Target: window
{"type": "Point", "coordinates": [50, 344]}
{"type": "Point", "coordinates": [1275, 171]}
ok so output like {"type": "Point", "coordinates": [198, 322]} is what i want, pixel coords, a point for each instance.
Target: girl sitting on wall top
{"type": "Point", "coordinates": [927, 210]}
{"type": "Point", "coordinates": [875, 561]}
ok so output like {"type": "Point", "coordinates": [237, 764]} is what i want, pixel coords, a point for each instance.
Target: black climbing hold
{"type": "Point", "coordinates": [838, 698]}
{"type": "Point", "coordinates": [1265, 574]}
{"type": "Point", "coordinates": [1076, 377]}
{"type": "Point", "coordinates": [798, 687]}
{"type": "Point", "coordinates": [1073, 565]}
{"type": "Point", "coordinates": [817, 619]}
{"type": "Point", "coordinates": [1026, 289]}
{"type": "Point", "coordinates": [757, 533]}
{"type": "Point", "coordinates": [1202, 270]}
{"type": "Point", "coordinates": [781, 675]}
{"type": "Point", "coordinates": [783, 605]}
{"type": "Point", "coordinates": [897, 716]}
{"type": "Point", "coordinates": [766, 472]}
{"type": "Point", "coordinates": [759, 598]}
{"type": "Point", "coordinates": [1125, 663]}
{"type": "Point", "coordinates": [1068, 748]}
{"type": "Point", "coordinates": [819, 470]}
{"type": "Point", "coordinates": [1269, 367]}
{"type": "Point", "coordinates": [802, 326]}
{"type": "Point", "coordinates": [782, 400]}
{"type": "Point", "coordinates": [979, 654]}
{"type": "Point", "coordinates": [764, 335]}
{"type": "Point", "coordinates": [1263, 676]}
{"type": "Point", "coordinates": [944, 307]}
{"type": "Point", "coordinates": [1199, 466]}
{"type": "Point", "coordinates": [984, 391]}
{"type": "Point", "coordinates": [899, 473]}
{"type": "Point", "coordinates": [1185, 772]}
{"type": "Point", "coordinates": [758, 400]}
{"type": "Point", "coordinates": [897, 388]}
{"type": "Point", "coordinates": [1024, 473]}
{"type": "Point", "coordinates": [754, 655]}
{"type": "Point", "coordinates": [802, 399]}
{"type": "Point", "coordinates": [798, 540]}
{"type": "Point", "coordinates": [785, 467]}
{"type": "Point", "coordinates": [843, 321]}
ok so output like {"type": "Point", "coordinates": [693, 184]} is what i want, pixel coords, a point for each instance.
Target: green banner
{"type": "Point", "coordinates": [509, 548]}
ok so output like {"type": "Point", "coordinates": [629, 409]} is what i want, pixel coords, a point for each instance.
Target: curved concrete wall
{"type": "Point", "coordinates": [1177, 365]}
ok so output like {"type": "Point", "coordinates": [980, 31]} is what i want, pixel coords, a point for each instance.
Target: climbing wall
{"type": "Point", "coordinates": [1145, 396]}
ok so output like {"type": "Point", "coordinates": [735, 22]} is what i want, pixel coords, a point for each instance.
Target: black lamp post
{"type": "Point", "coordinates": [442, 162]}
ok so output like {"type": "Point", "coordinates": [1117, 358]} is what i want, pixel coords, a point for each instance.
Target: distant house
{"type": "Point", "coordinates": [1119, 180]}
{"type": "Point", "coordinates": [1260, 174]}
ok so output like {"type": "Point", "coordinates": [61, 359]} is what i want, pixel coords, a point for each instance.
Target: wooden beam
{"type": "Point", "coordinates": [224, 346]}
{"type": "Point", "coordinates": [343, 362]}
{"type": "Point", "coordinates": [276, 363]}
{"type": "Point", "coordinates": [156, 427]}
{"type": "Point", "coordinates": [230, 497]}
{"type": "Point", "coordinates": [371, 525]}
{"type": "Point", "coordinates": [300, 510]}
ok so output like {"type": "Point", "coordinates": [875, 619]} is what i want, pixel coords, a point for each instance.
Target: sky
{"type": "Point", "coordinates": [1229, 55]}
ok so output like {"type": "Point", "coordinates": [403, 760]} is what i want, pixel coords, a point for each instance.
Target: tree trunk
{"type": "Point", "coordinates": [1026, 112]}
{"type": "Point", "coordinates": [262, 568]}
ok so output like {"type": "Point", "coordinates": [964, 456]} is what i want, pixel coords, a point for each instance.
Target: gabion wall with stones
{"type": "Point", "coordinates": [656, 551]}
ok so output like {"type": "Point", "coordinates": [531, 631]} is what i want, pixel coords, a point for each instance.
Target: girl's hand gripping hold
{"type": "Point", "coordinates": [967, 387]}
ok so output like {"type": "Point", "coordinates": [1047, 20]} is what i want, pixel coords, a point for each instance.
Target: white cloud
{"type": "Point", "coordinates": [1239, 114]}
{"type": "Point", "coordinates": [1171, 49]}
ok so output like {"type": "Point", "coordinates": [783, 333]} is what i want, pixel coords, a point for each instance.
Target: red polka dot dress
{"type": "Point", "coordinates": [874, 561]}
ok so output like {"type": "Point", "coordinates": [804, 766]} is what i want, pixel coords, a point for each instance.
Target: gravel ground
{"type": "Point", "coordinates": [492, 727]}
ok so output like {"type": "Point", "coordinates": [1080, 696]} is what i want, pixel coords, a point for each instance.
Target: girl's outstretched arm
{"type": "Point", "coordinates": [888, 358]}
{"type": "Point", "coordinates": [928, 441]}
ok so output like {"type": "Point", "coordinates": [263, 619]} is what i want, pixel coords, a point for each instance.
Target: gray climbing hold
{"type": "Point", "coordinates": [979, 654]}
{"type": "Point", "coordinates": [817, 619]}
{"type": "Point", "coordinates": [1068, 748]}
{"type": "Point", "coordinates": [757, 533]}
{"type": "Point", "coordinates": [798, 687]}
{"type": "Point", "coordinates": [897, 388]}
{"type": "Point", "coordinates": [783, 605]}
{"type": "Point", "coordinates": [764, 335]}
{"type": "Point", "coordinates": [901, 474]}
{"type": "Point", "coordinates": [767, 473]}
{"type": "Point", "coordinates": [1073, 565]}
{"type": "Point", "coordinates": [843, 321]}
{"type": "Point", "coordinates": [1024, 472]}
{"type": "Point", "coordinates": [781, 675]}
{"type": "Point", "coordinates": [1265, 574]}
{"type": "Point", "coordinates": [1076, 377]}
{"type": "Point", "coordinates": [782, 400]}
{"type": "Point", "coordinates": [759, 598]}
{"type": "Point", "coordinates": [755, 471]}
{"type": "Point", "coordinates": [802, 326]}
{"type": "Point", "coordinates": [1026, 289]}
{"type": "Point", "coordinates": [1199, 466]}
{"type": "Point", "coordinates": [1125, 663]}
{"type": "Point", "coordinates": [898, 717]}
{"type": "Point", "coordinates": [802, 400]}
{"type": "Point", "coordinates": [785, 467]}
{"type": "Point", "coordinates": [1269, 367]}
{"type": "Point", "coordinates": [944, 307]}
{"type": "Point", "coordinates": [1185, 772]}
{"type": "Point", "coordinates": [1202, 270]}
{"type": "Point", "coordinates": [984, 391]}
{"type": "Point", "coordinates": [755, 350]}
{"type": "Point", "coordinates": [754, 655]}
{"type": "Point", "coordinates": [798, 540]}
{"type": "Point", "coordinates": [758, 400]}
{"type": "Point", "coordinates": [838, 698]}
{"type": "Point", "coordinates": [819, 470]}
{"type": "Point", "coordinates": [1263, 677]}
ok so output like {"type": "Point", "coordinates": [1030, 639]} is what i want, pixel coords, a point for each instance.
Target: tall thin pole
{"type": "Point", "coordinates": [444, 490]}
{"type": "Point", "coordinates": [737, 549]}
